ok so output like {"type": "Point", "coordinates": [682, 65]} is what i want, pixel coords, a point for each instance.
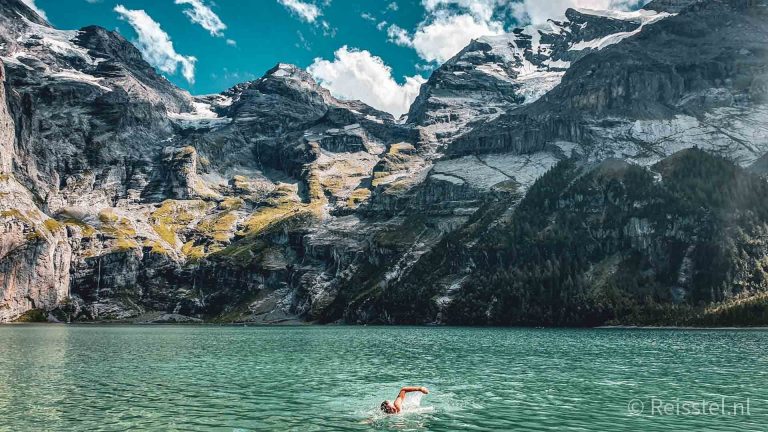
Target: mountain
{"type": "Point", "coordinates": [494, 75]}
{"type": "Point", "coordinates": [604, 168]}
{"type": "Point", "coordinates": [695, 78]}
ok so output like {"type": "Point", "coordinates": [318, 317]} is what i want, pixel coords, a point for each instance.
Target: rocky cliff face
{"type": "Point", "coordinates": [680, 242]}
{"type": "Point", "coordinates": [643, 99]}
{"type": "Point", "coordinates": [123, 197]}
{"type": "Point", "coordinates": [35, 255]}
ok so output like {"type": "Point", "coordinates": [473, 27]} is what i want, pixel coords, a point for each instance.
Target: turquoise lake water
{"type": "Point", "coordinates": [186, 378]}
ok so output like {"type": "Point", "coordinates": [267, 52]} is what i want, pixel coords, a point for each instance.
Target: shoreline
{"type": "Point", "coordinates": [295, 323]}
{"type": "Point", "coordinates": [629, 327]}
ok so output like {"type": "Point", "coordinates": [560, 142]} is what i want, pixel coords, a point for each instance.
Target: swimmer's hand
{"type": "Point", "coordinates": [424, 390]}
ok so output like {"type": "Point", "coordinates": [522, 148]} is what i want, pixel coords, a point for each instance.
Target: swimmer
{"type": "Point", "coordinates": [397, 406]}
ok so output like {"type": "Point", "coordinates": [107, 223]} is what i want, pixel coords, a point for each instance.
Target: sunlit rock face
{"type": "Point", "coordinates": [123, 197]}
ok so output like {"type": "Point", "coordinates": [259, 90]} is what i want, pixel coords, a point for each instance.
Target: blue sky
{"type": "Point", "coordinates": [378, 51]}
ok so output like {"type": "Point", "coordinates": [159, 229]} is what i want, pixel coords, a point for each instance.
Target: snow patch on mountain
{"type": "Point", "coordinates": [644, 17]}
{"type": "Point", "coordinates": [487, 171]}
{"type": "Point", "coordinates": [60, 42]}
{"type": "Point", "coordinates": [77, 76]}
{"type": "Point", "coordinates": [737, 133]}
{"type": "Point", "coordinates": [203, 117]}
{"type": "Point", "coordinates": [536, 85]}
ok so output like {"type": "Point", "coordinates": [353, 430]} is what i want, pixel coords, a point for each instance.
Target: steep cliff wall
{"type": "Point", "coordinates": [35, 254]}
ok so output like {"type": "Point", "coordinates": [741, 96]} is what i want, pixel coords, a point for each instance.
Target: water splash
{"type": "Point", "coordinates": [412, 400]}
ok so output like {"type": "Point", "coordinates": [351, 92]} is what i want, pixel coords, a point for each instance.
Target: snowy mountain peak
{"type": "Point", "coordinates": [93, 59]}
{"type": "Point", "coordinates": [495, 74]}
{"type": "Point", "coordinates": [285, 70]}
{"type": "Point", "coordinates": [11, 9]}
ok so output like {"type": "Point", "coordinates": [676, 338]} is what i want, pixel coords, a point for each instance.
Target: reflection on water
{"type": "Point", "coordinates": [334, 378]}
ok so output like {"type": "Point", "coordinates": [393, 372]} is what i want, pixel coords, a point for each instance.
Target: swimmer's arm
{"type": "Point", "coordinates": [405, 390]}
{"type": "Point", "coordinates": [401, 396]}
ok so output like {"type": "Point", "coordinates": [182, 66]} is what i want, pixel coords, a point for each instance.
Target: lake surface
{"type": "Point", "coordinates": [114, 378]}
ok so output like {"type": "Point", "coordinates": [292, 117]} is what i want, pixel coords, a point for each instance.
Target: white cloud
{"type": "Point", "coordinates": [448, 34]}
{"type": "Point", "coordinates": [327, 29]}
{"type": "Point", "coordinates": [203, 15]}
{"type": "Point", "coordinates": [155, 44]}
{"type": "Point", "coordinates": [393, 6]}
{"type": "Point", "coordinates": [355, 74]}
{"type": "Point", "coordinates": [306, 11]}
{"type": "Point", "coordinates": [31, 4]}
{"type": "Point", "coordinates": [449, 27]}
{"type": "Point", "coordinates": [538, 12]}
{"type": "Point", "coordinates": [399, 36]}
{"type": "Point", "coordinates": [483, 10]}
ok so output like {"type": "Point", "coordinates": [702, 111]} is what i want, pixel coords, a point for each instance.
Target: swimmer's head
{"type": "Point", "coordinates": [388, 407]}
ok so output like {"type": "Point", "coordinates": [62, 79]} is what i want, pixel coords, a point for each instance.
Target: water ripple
{"type": "Point", "coordinates": [111, 378]}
